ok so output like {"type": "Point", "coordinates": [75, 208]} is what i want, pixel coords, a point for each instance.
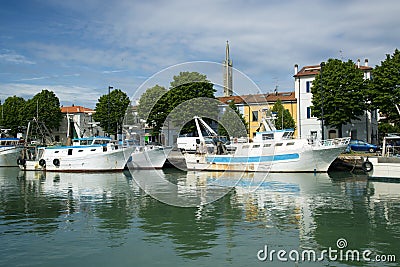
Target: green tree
{"type": "Point", "coordinates": [232, 123]}
{"type": "Point", "coordinates": [45, 107]}
{"type": "Point", "coordinates": [191, 99]}
{"type": "Point", "coordinates": [1, 114]}
{"type": "Point", "coordinates": [13, 114]}
{"type": "Point", "coordinates": [110, 111]}
{"type": "Point", "coordinates": [339, 91]}
{"type": "Point", "coordinates": [187, 77]}
{"type": "Point", "coordinates": [179, 102]}
{"type": "Point", "coordinates": [284, 119]}
{"type": "Point", "coordinates": [384, 91]}
{"type": "Point", "coordinates": [152, 108]}
{"type": "Point", "coordinates": [384, 128]}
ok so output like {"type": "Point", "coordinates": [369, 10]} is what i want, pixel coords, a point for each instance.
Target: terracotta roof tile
{"type": "Point", "coordinates": [259, 98]}
{"type": "Point", "coordinates": [314, 70]}
{"type": "Point", "coordinates": [76, 109]}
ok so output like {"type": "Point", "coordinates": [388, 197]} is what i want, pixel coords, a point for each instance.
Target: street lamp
{"type": "Point", "coordinates": [322, 103]}
{"type": "Point", "coordinates": [108, 108]}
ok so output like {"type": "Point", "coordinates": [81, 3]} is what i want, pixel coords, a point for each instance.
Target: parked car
{"type": "Point", "coordinates": [359, 145]}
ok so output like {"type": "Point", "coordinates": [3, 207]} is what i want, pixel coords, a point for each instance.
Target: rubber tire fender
{"type": "Point", "coordinates": [367, 166]}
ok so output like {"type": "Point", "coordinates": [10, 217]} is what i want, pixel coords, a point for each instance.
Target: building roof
{"type": "Point", "coordinates": [76, 109]}
{"type": "Point", "coordinates": [313, 70]}
{"type": "Point", "coordinates": [259, 98]}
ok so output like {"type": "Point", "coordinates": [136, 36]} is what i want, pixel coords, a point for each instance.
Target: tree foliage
{"type": "Point", "coordinates": [284, 119]}
{"type": "Point", "coordinates": [157, 103]}
{"type": "Point", "coordinates": [110, 111]}
{"type": "Point", "coordinates": [152, 108]}
{"type": "Point", "coordinates": [13, 114]}
{"type": "Point", "coordinates": [232, 123]}
{"type": "Point", "coordinates": [189, 100]}
{"type": "Point", "coordinates": [339, 93]}
{"type": "Point", "coordinates": [385, 128]}
{"type": "Point", "coordinates": [187, 77]}
{"type": "Point", "coordinates": [45, 107]}
{"type": "Point", "coordinates": [384, 90]}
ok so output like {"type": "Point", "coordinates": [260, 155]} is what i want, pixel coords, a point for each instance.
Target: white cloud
{"type": "Point", "coordinates": [68, 95]}
{"type": "Point", "coordinates": [267, 38]}
{"type": "Point", "coordinates": [11, 56]}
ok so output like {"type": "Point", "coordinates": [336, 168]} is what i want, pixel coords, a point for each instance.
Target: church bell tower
{"type": "Point", "coordinates": [228, 91]}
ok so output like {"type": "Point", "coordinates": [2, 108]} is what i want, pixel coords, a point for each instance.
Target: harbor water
{"type": "Point", "coordinates": [203, 219]}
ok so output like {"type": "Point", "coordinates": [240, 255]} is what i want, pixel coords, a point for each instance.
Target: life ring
{"type": "Point", "coordinates": [42, 162]}
{"type": "Point", "coordinates": [367, 166]}
{"type": "Point", "coordinates": [21, 161]}
{"type": "Point", "coordinates": [56, 162]}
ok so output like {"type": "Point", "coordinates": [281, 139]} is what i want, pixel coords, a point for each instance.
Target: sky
{"type": "Point", "coordinates": [77, 49]}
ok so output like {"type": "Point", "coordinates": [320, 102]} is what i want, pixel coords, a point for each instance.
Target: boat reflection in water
{"type": "Point", "coordinates": [107, 218]}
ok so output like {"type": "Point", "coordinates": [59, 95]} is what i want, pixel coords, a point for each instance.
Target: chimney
{"type": "Point", "coordinates": [358, 63]}
{"type": "Point", "coordinates": [366, 62]}
{"type": "Point", "coordinates": [296, 69]}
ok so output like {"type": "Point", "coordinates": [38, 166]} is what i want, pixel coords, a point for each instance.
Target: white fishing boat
{"type": "Point", "coordinates": [148, 157]}
{"type": "Point", "coordinates": [271, 151]}
{"type": "Point", "coordinates": [85, 154]}
{"type": "Point", "coordinates": [10, 149]}
{"type": "Point", "coordinates": [387, 165]}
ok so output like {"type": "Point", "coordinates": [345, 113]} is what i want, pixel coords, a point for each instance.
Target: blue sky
{"type": "Point", "coordinates": [79, 48]}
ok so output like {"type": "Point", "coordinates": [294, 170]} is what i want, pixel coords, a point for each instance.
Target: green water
{"type": "Point", "coordinates": [106, 219]}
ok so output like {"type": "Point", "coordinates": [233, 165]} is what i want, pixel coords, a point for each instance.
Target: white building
{"type": "Point", "coordinates": [365, 129]}
{"type": "Point", "coordinates": [80, 120]}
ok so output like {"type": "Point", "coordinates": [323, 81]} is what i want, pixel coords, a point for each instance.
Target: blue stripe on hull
{"type": "Point", "coordinates": [252, 159]}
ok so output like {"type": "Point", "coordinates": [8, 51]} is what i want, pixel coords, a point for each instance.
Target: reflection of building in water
{"type": "Point", "coordinates": [384, 201]}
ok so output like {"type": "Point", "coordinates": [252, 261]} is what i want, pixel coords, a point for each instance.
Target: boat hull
{"type": "Point", "coordinates": [9, 156]}
{"type": "Point", "coordinates": [305, 159]}
{"type": "Point", "coordinates": [148, 158]}
{"type": "Point", "coordinates": [384, 167]}
{"type": "Point", "coordinates": [83, 159]}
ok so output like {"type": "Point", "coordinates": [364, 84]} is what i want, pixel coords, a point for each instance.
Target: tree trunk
{"type": "Point", "coordinates": [340, 134]}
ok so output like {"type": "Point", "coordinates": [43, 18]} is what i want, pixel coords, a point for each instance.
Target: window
{"type": "Point", "coordinates": [313, 134]}
{"type": "Point", "coordinates": [256, 146]}
{"type": "Point", "coordinates": [332, 134]}
{"type": "Point", "coordinates": [287, 135]}
{"type": "Point", "coordinates": [267, 145]}
{"type": "Point", "coordinates": [267, 136]}
{"type": "Point", "coordinates": [70, 151]}
{"type": "Point", "coordinates": [290, 144]}
{"type": "Point", "coordinates": [279, 144]}
{"type": "Point", "coordinates": [308, 86]}
{"type": "Point", "coordinates": [255, 115]}
{"type": "Point", "coordinates": [308, 112]}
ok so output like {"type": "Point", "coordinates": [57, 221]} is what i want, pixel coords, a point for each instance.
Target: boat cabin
{"type": "Point", "coordinates": [90, 141]}
{"type": "Point", "coordinates": [275, 135]}
{"type": "Point", "coordinates": [7, 142]}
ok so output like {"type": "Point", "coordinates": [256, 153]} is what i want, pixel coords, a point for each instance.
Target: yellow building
{"type": "Point", "coordinates": [252, 107]}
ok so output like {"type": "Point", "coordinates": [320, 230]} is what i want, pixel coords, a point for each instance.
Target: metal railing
{"type": "Point", "coordinates": [335, 142]}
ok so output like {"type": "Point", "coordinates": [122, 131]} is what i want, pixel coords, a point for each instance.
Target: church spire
{"type": "Point", "coordinates": [228, 91]}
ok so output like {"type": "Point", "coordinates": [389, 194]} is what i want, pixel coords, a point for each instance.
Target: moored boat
{"type": "Point", "coordinates": [148, 157]}
{"type": "Point", "coordinates": [85, 154]}
{"type": "Point", "coordinates": [10, 149]}
{"type": "Point", "coordinates": [388, 164]}
{"type": "Point", "coordinates": [271, 151]}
